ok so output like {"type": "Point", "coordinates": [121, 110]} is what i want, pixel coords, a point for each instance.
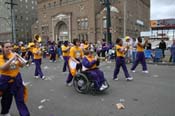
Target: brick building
{"type": "Point", "coordinates": [86, 19]}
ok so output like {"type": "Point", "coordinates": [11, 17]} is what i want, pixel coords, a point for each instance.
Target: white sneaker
{"type": "Point", "coordinates": [102, 88]}
{"type": "Point", "coordinates": [32, 63]}
{"type": "Point", "coordinates": [5, 114]}
{"type": "Point", "coordinates": [36, 77]}
{"type": "Point", "coordinates": [43, 77]}
{"type": "Point", "coordinates": [116, 79]}
{"type": "Point", "coordinates": [129, 78]}
{"type": "Point", "coordinates": [105, 86]}
{"type": "Point", "coordinates": [69, 84]}
{"type": "Point", "coordinates": [145, 71]}
{"type": "Point", "coordinates": [133, 71]}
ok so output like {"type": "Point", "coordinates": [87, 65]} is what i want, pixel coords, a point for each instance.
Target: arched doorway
{"type": "Point", "coordinates": [61, 27]}
{"type": "Point", "coordinates": [61, 31]}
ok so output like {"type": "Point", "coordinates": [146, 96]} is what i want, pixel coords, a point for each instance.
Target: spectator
{"type": "Point", "coordinates": [104, 48]}
{"type": "Point", "coordinates": [149, 46]}
{"type": "Point", "coordinates": [162, 46]}
{"type": "Point", "coordinates": [98, 48]}
{"type": "Point", "coordinates": [133, 49]}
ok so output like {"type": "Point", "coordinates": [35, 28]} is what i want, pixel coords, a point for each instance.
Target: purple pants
{"type": "Point", "coordinates": [66, 58]}
{"type": "Point", "coordinates": [38, 71]}
{"type": "Point", "coordinates": [140, 57]}
{"type": "Point", "coordinates": [53, 57]}
{"type": "Point", "coordinates": [30, 54]}
{"type": "Point", "coordinates": [98, 76]}
{"type": "Point", "coordinates": [120, 62]}
{"type": "Point", "coordinates": [15, 89]}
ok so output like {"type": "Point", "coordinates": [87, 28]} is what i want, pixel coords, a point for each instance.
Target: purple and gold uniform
{"type": "Point", "coordinates": [11, 84]}
{"type": "Point", "coordinates": [75, 53]}
{"type": "Point", "coordinates": [90, 65]}
{"type": "Point", "coordinates": [30, 50]}
{"type": "Point", "coordinates": [23, 51]}
{"type": "Point", "coordinates": [120, 62]}
{"type": "Point", "coordinates": [37, 59]}
{"type": "Point", "coordinates": [65, 51]}
{"type": "Point", "coordinates": [140, 57]}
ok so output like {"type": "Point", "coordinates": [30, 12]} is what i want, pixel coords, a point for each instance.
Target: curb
{"type": "Point", "coordinates": [161, 63]}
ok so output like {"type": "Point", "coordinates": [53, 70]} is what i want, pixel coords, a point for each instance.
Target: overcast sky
{"type": "Point", "coordinates": [161, 9]}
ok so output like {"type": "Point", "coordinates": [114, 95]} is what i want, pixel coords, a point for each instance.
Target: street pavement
{"type": "Point", "coordinates": [150, 94]}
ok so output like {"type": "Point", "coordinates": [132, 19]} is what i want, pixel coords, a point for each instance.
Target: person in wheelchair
{"type": "Point", "coordinates": [90, 65]}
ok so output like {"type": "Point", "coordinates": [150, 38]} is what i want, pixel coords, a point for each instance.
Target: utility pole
{"type": "Point", "coordinates": [124, 18]}
{"type": "Point", "coordinates": [12, 4]}
{"type": "Point", "coordinates": [108, 18]}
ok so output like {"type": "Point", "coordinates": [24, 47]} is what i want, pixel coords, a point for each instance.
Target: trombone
{"type": "Point", "coordinates": [21, 59]}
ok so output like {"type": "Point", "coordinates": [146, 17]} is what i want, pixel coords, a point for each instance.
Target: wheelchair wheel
{"type": "Point", "coordinates": [81, 83]}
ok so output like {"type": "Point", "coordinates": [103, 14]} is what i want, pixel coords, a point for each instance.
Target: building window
{"type": "Point", "coordinates": [61, 2]}
{"type": "Point", "coordinates": [55, 3]}
{"type": "Point", "coordinates": [44, 6]}
{"type": "Point", "coordinates": [86, 36]}
{"type": "Point", "coordinates": [82, 23]}
{"type": "Point", "coordinates": [79, 24]}
{"type": "Point", "coordinates": [86, 23]}
{"type": "Point", "coordinates": [49, 5]}
{"type": "Point", "coordinates": [26, 1]}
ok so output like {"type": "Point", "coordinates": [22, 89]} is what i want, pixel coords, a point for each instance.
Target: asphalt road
{"type": "Point", "coordinates": [150, 94]}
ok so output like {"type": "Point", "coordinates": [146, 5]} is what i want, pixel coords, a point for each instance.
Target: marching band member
{"type": "Point", "coordinates": [38, 59]}
{"type": "Point", "coordinates": [23, 51]}
{"type": "Point", "coordinates": [120, 60]}
{"type": "Point", "coordinates": [29, 52]}
{"type": "Point", "coordinates": [140, 57]}
{"type": "Point", "coordinates": [11, 83]}
{"type": "Point", "coordinates": [86, 45]}
{"type": "Point", "coordinates": [52, 51]}
{"type": "Point", "coordinates": [65, 49]}
{"type": "Point", "coordinates": [76, 54]}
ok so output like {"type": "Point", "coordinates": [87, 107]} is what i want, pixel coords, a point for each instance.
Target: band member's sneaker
{"type": "Point", "coordinates": [5, 114]}
{"type": "Point", "coordinates": [36, 77]}
{"type": "Point", "coordinates": [43, 77]}
{"type": "Point", "coordinates": [116, 79]}
{"type": "Point", "coordinates": [133, 71]}
{"type": "Point", "coordinates": [129, 78]}
{"type": "Point", "coordinates": [145, 71]}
